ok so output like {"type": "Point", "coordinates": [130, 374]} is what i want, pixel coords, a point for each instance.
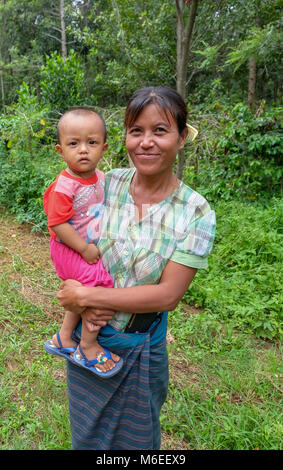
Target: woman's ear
{"type": "Point", "coordinates": [183, 138]}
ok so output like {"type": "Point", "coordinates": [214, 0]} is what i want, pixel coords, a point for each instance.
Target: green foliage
{"type": "Point", "coordinates": [259, 43]}
{"type": "Point", "coordinates": [238, 153]}
{"type": "Point", "coordinates": [116, 154]}
{"type": "Point", "coordinates": [23, 182]}
{"type": "Point", "coordinates": [25, 121]}
{"type": "Point", "coordinates": [244, 279]}
{"type": "Point", "coordinates": [62, 83]}
{"type": "Point", "coordinates": [120, 60]}
{"type": "Point", "coordinates": [122, 45]}
{"type": "Point", "coordinates": [225, 385]}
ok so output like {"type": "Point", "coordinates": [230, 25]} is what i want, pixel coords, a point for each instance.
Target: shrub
{"type": "Point", "coordinates": [244, 279]}
{"type": "Point", "coordinates": [62, 84]}
{"type": "Point", "coordinates": [25, 122]}
{"type": "Point", "coordinates": [24, 180]}
{"type": "Point", "coordinates": [237, 153]}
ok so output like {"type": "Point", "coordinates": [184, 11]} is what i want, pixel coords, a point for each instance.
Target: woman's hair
{"type": "Point", "coordinates": [166, 98]}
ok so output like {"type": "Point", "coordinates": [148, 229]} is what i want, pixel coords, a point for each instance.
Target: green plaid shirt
{"type": "Point", "coordinates": [135, 252]}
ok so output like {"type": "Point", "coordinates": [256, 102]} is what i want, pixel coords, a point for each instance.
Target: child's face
{"type": "Point", "coordinates": [81, 143]}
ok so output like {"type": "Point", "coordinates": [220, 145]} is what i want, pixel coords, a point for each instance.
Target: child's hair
{"type": "Point", "coordinates": [166, 98]}
{"type": "Point", "coordinates": [81, 110]}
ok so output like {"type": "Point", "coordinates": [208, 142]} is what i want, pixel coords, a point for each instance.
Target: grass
{"type": "Point", "coordinates": [224, 388]}
{"type": "Point", "coordinates": [33, 399]}
{"type": "Point", "coordinates": [227, 392]}
{"type": "Point", "coordinates": [244, 280]}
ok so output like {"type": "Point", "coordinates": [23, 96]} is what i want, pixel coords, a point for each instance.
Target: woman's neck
{"type": "Point", "coordinates": [152, 189]}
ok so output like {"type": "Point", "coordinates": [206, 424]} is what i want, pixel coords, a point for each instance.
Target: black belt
{"type": "Point", "coordinates": [140, 322]}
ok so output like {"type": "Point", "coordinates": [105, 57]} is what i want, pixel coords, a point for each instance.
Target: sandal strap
{"type": "Point", "coordinates": [93, 362]}
{"type": "Point", "coordinates": [59, 340]}
{"type": "Point", "coordinates": [62, 349]}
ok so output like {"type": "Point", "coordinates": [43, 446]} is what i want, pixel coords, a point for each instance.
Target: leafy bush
{"type": "Point", "coordinates": [244, 280]}
{"type": "Point", "coordinates": [237, 153]}
{"type": "Point", "coordinates": [24, 180]}
{"type": "Point", "coordinates": [25, 122]}
{"type": "Point", "coordinates": [62, 84]}
{"type": "Point", "coordinates": [116, 154]}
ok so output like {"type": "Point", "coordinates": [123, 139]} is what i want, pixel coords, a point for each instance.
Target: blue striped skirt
{"type": "Point", "coordinates": [121, 412]}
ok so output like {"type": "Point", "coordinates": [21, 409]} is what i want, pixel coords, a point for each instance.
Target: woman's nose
{"type": "Point", "coordinates": [147, 140]}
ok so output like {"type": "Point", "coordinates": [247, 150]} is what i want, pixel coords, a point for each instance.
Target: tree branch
{"type": "Point", "coordinates": [53, 37]}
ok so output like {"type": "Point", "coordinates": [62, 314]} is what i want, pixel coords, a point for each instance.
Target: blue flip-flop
{"type": "Point", "coordinates": [62, 352]}
{"type": "Point", "coordinates": [81, 360]}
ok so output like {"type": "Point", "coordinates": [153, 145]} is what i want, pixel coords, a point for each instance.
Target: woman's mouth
{"type": "Point", "coordinates": [147, 155]}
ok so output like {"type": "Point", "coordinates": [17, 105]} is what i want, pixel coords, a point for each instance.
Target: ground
{"type": "Point", "coordinates": [24, 255]}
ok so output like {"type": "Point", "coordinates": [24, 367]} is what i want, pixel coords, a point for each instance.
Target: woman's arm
{"type": "Point", "coordinates": [166, 295]}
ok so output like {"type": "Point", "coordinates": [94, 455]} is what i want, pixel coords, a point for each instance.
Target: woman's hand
{"type": "Point", "coordinates": [68, 296]}
{"type": "Point", "coordinates": [94, 317]}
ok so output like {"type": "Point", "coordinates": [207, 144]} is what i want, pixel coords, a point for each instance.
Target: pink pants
{"type": "Point", "coordinates": [70, 265]}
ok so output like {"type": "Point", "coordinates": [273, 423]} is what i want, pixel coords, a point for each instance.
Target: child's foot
{"type": "Point", "coordinates": [95, 351]}
{"type": "Point", "coordinates": [56, 347]}
{"type": "Point", "coordinates": [66, 341]}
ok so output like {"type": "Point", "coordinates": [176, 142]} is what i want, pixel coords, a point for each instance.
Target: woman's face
{"type": "Point", "coordinates": [153, 141]}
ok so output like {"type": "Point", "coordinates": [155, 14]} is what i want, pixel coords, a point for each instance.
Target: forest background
{"type": "Point", "coordinates": [224, 57]}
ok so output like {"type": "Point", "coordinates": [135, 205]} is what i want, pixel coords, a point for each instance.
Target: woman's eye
{"type": "Point", "coordinates": [135, 130]}
{"type": "Point", "coordinates": [160, 130]}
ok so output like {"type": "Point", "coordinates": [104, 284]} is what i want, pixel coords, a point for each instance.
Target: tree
{"type": "Point", "coordinates": [63, 30]}
{"type": "Point", "coordinates": [256, 49]}
{"type": "Point", "coordinates": [54, 19]}
{"type": "Point", "coordinates": [184, 28]}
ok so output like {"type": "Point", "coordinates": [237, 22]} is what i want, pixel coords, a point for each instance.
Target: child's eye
{"type": "Point", "coordinates": [92, 142]}
{"type": "Point", "coordinates": [73, 143]}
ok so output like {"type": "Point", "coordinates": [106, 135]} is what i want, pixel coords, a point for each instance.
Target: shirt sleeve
{"type": "Point", "coordinates": [57, 206]}
{"type": "Point", "coordinates": [193, 249]}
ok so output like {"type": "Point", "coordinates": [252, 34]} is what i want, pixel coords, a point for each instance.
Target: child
{"type": "Point", "coordinates": [74, 205]}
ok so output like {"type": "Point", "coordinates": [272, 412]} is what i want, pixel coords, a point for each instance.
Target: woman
{"type": "Point", "coordinates": [156, 233]}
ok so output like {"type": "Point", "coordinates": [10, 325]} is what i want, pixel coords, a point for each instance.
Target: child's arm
{"type": "Point", "coordinates": [70, 237]}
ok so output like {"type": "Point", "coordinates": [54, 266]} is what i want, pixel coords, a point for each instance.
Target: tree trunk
{"type": "Point", "coordinates": [85, 11]}
{"type": "Point", "coordinates": [63, 30]}
{"type": "Point", "coordinates": [252, 82]}
{"type": "Point", "coordinates": [2, 85]}
{"type": "Point", "coordinates": [184, 37]}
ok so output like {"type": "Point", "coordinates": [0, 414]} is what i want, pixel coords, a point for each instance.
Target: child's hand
{"type": "Point", "coordinates": [91, 254]}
